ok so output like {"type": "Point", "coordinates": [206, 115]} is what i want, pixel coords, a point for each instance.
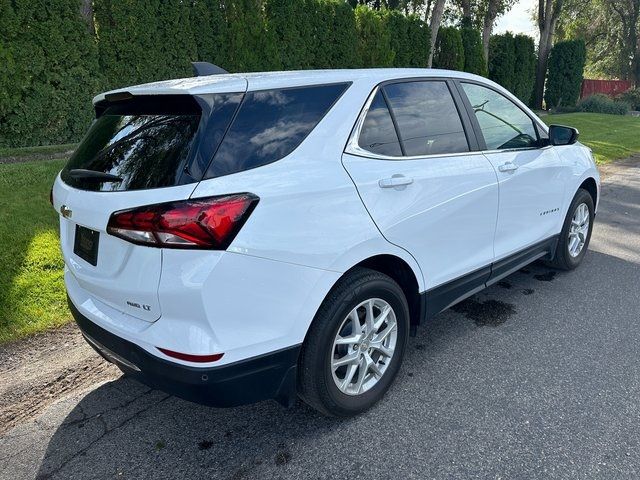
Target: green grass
{"type": "Point", "coordinates": [32, 294]}
{"type": "Point", "coordinates": [611, 137]}
{"type": "Point", "coordinates": [22, 152]}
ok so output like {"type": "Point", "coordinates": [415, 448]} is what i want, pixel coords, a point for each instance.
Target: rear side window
{"type": "Point", "coordinates": [503, 124]}
{"type": "Point", "coordinates": [427, 118]}
{"type": "Point", "coordinates": [270, 124]}
{"type": "Point", "coordinates": [147, 142]}
{"type": "Point", "coordinates": [378, 135]}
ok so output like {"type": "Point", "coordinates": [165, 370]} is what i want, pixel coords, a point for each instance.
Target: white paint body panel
{"type": "Point", "coordinates": [313, 223]}
{"type": "Point", "coordinates": [446, 218]}
{"type": "Point", "coordinates": [531, 198]}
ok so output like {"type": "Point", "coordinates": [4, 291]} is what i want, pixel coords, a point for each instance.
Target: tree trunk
{"type": "Point", "coordinates": [434, 26]}
{"type": "Point", "coordinates": [548, 13]}
{"type": "Point", "coordinates": [466, 9]}
{"type": "Point", "coordinates": [487, 27]}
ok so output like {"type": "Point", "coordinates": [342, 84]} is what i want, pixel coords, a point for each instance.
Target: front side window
{"type": "Point", "coordinates": [427, 118]}
{"type": "Point", "coordinates": [270, 124]}
{"type": "Point", "coordinates": [504, 125]}
{"type": "Point", "coordinates": [378, 135]}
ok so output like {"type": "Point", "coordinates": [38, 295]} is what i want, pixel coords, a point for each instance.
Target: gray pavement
{"type": "Point", "coordinates": [538, 377]}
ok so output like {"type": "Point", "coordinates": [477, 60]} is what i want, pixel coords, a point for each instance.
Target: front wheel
{"type": "Point", "coordinates": [355, 345]}
{"type": "Point", "coordinates": [576, 232]}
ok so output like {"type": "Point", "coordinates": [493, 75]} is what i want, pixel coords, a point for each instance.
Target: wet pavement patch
{"type": "Point", "coordinates": [504, 284]}
{"type": "Point", "coordinates": [528, 291]}
{"type": "Point", "coordinates": [205, 444]}
{"type": "Point", "coordinates": [545, 277]}
{"type": "Point", "coordinates": [489, 313]}
{"type": "Point", "coordinates": [283, 457]}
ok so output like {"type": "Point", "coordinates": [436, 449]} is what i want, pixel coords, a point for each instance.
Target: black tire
{"type": "Point", "coordinates": [563, 260]}
{"type": "Point", "coordinates": [316, 385]}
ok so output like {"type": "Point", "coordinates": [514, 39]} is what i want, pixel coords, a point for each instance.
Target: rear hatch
{"type": "Point", "coordinates": [140, 150]}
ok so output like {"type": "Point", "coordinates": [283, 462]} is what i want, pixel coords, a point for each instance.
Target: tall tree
{"type": "Point", "coordinates": [492, 10]}
{"type": "Point", "coordinates": [548, 13]}
{"type": "Point", "coordinates": [628, 14]}
{"type": "Point", "coordinates": [434, 25]}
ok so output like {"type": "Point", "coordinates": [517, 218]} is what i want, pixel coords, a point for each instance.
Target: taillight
{"type": "Point", "coordinates": [209, 223]}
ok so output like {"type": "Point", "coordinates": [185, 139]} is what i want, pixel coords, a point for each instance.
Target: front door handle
{"type": "Point", "coordinates": [508, 167]}
{"type": "Point", "coordinates": [398, 182]}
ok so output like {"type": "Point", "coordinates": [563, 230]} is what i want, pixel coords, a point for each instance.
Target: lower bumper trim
{"type": "Point", "coordinates": [269, 376]}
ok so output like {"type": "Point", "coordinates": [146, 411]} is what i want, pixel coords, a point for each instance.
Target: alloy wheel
{"type": "Point", "coordinates": [579, 230]}
{"type": "Point", "coordinates": [364, 346]}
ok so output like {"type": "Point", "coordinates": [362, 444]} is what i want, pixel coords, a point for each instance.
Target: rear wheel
{"type": "Point", "coordinates": [576, 232]}
{"type": "Point", "coordinates": [355, 345]}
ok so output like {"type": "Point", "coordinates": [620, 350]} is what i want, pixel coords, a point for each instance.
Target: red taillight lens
{"type": "Point", "coordinates": [210, 223]}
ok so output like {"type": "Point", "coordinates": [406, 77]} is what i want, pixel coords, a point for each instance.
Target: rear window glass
{"type": "Point", "coordinates": [378, 135]}
{"type": "Point", "coordinates": [146, 142]}
{"type": "Point", "coordinates": [271, 124]}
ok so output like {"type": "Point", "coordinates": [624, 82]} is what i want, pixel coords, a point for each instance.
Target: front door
{"type": "Point", "coordinates": [532, 177]}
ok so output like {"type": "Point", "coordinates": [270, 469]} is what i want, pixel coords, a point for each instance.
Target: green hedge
{"type": "Point", "coordinates": [48, 72]}
{"type": "Point", "coordinates": [564, 78]}
{"type": "Point", "coordinates": [512, 62]}
{"type": "Point", "coordinates": [448, 51]}
{"type": "Point", "coordinates": [525, 67]}
{"type": "Point", "coordinates": [52, 61]}
{"type": "Point", "coordinates": [474, 61]}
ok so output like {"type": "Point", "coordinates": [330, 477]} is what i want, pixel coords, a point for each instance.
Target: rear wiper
{"type": "Point", "coordinates": [82, 174]}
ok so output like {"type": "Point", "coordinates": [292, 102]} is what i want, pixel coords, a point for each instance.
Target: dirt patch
{"type": "Point", "coordinates": [489, 313]}
{"type": "Point", "coordinates": [34, 157]}
{"type": "Point", "coordinates": [36, 371]}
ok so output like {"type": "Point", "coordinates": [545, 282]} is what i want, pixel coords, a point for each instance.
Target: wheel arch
{"type": "Point", "coordinates": [402, 273]}
{"type": "Point", "coordinates": [590, 185]}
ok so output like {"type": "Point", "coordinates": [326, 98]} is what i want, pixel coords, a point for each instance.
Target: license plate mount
{"type": "Point", "coordinates": [85, 244]}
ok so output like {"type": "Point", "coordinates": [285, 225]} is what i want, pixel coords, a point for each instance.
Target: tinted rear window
{"type": "Point", "coordinates": [378, 135]}
{"type": "Point", "coordinates": [147, 141]}
{"type": "Point", "coordinates": [271, 124]}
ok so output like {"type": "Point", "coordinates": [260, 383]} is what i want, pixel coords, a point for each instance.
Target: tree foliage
{"type": "Point", "coordinates": [502, 60]}
{"type": "Point", "coordinates": [474, 61]}
{"type": "Point", "coordinates": [512, 63]}
{"type": "Point", "coordinates": [48, 74]}
{"type": "Point", "coordinates": [524, 68]}
{"type": "Point", "coordinates": [566, 67]}
{"type": "Point", "coordinates": [449, 52]}
{"type": "Point", "coordinates": [374, 40]}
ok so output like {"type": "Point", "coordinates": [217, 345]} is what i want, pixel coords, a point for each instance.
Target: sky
{"type": "Point", "coordinates": [518, 19]}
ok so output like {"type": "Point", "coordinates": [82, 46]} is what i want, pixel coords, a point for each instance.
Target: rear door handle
{"type": "Point", "coordinates": [397, 181]}
{"type": "Point", "coordinates": [508, 167]}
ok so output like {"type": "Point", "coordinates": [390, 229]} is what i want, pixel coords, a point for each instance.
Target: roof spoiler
{"type": "Point", "coordinates": [201, 69]}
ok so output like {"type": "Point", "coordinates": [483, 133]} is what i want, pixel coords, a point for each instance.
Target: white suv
{"type": "Point", "coordinates": [234, 238]}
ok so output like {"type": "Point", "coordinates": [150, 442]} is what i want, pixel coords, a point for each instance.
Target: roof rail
{"type": "Point", "coordinates": [201, 69]}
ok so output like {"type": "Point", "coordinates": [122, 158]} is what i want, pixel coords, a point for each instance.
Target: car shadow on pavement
{"type": "Point", "coordinates": [460, 360]}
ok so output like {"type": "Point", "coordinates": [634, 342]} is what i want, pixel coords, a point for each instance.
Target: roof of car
{"type": "Point", "coordinates": [239, 82]}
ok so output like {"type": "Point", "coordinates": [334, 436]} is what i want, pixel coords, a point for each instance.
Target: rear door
{"type": "Point", "coordinates": [139, 151]}
{"type": "Point", "coordinates": [532, 177]}
{"type": "Point", "coordinates": [412, 160]}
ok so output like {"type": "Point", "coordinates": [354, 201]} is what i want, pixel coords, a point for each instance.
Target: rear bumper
{"type": "Point", "coordinates": [269, 376]}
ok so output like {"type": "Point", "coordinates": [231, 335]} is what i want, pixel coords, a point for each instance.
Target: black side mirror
{"type": "Point", "coordinates": [561, 135]}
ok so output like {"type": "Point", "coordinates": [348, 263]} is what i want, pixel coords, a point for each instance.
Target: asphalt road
{"type": "Point", "coordinates": [538, 377]}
